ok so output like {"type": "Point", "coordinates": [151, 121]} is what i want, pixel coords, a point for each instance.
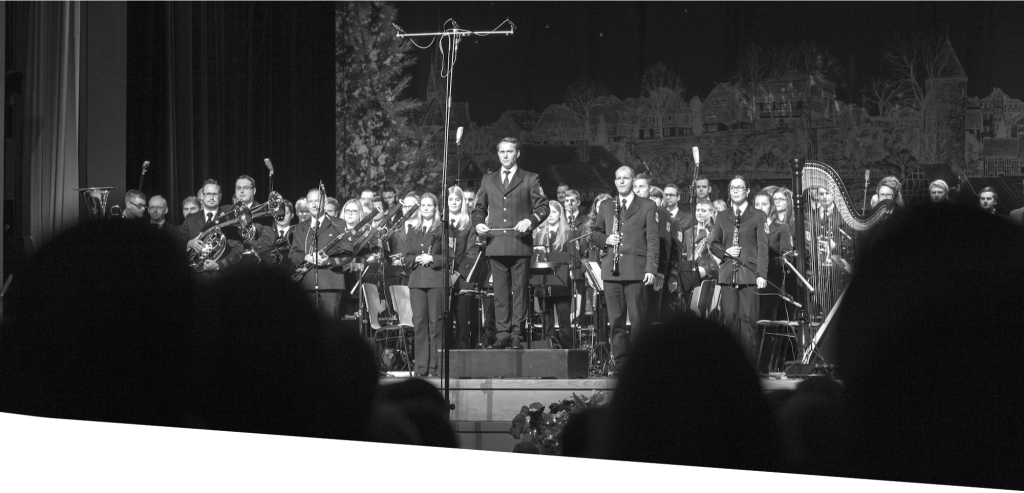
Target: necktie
{"type": "Point", "coordinates": [623, 204]}
{"type": "Point", "coordinates": [504, 178]}
{"type": "Point", "coordinates": [209, 217]}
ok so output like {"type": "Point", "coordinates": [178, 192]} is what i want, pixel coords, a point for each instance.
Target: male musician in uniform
{"type": "Point", "coordinates": [158, 216]}
{"type": "Point", "coordinates": [560, 192]}
{"type": "Point", "coordinates": [987, 199]}
{"type": "Point", "coordinates": [194, 223]}
{"type": "Point", "coordinates": [245, 194]}
{"type": "Point", "coordinates": [635, 232]}
{"type": "Point", "coordinates": [281, 234]}
{"type": "Point", "coordinates": [659, 300]}
{"type": "Point", "coordinates": [683, 218]}
{"type": "Point", "coordinates": [134, 205]}
{"type": "Point", "coordinates": [741, 243]}
{"type": "Point", "coordinates": [317, 233]}
{"type": "Point", "coordinates": [512, 203]}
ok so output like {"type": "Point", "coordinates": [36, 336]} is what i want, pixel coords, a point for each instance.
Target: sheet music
{"type": "Point", "coordinates": [593, 270]}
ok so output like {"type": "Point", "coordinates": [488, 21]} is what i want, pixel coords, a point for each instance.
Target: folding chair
{"type": "Point", "coordinates": [390, 338]}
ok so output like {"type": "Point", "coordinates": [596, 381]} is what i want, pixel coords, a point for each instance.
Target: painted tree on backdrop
{"type": "Point", "coordinates": [581, 97]}
{"type": "Point", "coordinates": [375, 140]}
{"type": "Point", "coordinates": [663, 90]}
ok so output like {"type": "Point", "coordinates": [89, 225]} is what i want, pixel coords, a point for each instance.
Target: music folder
{"type": "Point", "coordinates": [593, 274]}
{"type": "Point", "coordinates": [477, 271]}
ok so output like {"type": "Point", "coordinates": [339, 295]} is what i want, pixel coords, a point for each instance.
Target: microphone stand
{"type": "Point", "coordinates": [694, 264]}
{"type": "Point", "coordinates": [316, 246]}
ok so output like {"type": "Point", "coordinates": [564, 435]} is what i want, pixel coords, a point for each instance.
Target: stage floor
{"type": "Point", "coordinates": [484, 407]}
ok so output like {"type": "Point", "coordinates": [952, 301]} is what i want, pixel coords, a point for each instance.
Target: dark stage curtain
{"type": "Point", "coordinates": [216, 87]}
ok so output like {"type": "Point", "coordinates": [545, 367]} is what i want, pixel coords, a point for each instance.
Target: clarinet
{"type": "Point", "coordinates": [736, 243]}
{"type": "Point", "coordinates": [615, 231]}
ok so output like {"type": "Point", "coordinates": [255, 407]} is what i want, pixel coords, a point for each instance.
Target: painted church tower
{"type": "Point", "coordinates": [946, 108]}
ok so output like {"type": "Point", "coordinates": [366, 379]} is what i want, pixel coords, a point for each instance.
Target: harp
{"type": "Point", "coordinates": [829, 232]}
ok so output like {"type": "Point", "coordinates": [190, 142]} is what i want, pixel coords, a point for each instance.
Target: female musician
{"type": "Point", "coordinates": [552, 236]}
{"type": "Point", "coordinates": [889, 189]}
{"type": "Point", "coordinates": [426, 279]}
{"type": "Point", "coordinates": [780, 242]}
{"type": "Point", "coordinates": [351, 214]}
{"type": "Point", "coordinates": [462, 237]}
{"type": "Point", "coordinates": [783, 213]}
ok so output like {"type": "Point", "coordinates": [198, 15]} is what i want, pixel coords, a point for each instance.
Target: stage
{"type": "Point", "coordinates": [484, 407]}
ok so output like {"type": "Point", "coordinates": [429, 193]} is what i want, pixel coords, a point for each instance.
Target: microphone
{"type": "Point", "coordinates": [458, 136]}
{"type": "Point", "coordinates": [145, 165]}
{"type": "Point", "coordinates": [696, 156]}
{"type": "Point", "coordinates": [791, 253]}
{"type": "Point", "coordinates": [270, 167]}
{"type": "Point", "coordinates": [867, 175]}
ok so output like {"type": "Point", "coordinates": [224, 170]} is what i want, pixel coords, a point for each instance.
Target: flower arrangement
{"type": "Point", "coordinates": [545, 428]}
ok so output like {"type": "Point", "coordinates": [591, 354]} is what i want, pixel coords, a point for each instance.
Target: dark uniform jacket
{"type": "Point", "coordinates": [639, 230]}
{"type": "Point", "coordinates": [305, 240]}
{"type": "Point", "coordinates": [753, 242]}
{"type": "Point", "coordinates": [504, 207]}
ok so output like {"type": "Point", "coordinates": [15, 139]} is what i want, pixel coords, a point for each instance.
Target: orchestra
{"type": "Point", "coordinates": [529, 275]}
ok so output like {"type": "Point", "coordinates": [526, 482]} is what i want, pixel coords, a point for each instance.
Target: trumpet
{"type": "Point", "coordinates": [615, 231]}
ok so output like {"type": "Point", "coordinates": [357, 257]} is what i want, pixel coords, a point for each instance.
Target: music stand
{"type": "Point", "coordinates": [592, 273]}
{"type": "Point", "coordinates": [544, 270]}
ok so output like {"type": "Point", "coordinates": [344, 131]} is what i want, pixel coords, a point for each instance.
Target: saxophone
{"type": "Point", "coordinates": [615, 231]}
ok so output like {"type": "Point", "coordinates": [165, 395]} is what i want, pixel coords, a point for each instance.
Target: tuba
{"type": "Point", "coordinates": [214, 245]}
{"type": "Point", "coordinates": [96, 201]}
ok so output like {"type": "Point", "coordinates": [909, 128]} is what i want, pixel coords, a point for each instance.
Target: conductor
{"type": "Point", "coordinates": [509, 204]}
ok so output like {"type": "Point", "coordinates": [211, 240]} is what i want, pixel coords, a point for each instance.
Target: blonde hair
{"type": "Point", "coordinates": [418, 221]}
{"type": "Point", "coordinates": [460, 216]}
{"type": "Point", "coordinates": [543, 232]}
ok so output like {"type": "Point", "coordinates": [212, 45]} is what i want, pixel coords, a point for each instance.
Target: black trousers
{"type": "Point", "coordinates": [559, 304]}
{"type": "Point", "coordinates": [427, 310]}
{"type": "Point", "coordinates": [467, 322]}
{"type": "Point", "coordinates": [624, 297]}
{"type": "Point", "coordinates": [511, 279]}
{"type": "Point", "coordinates": [740, 307]}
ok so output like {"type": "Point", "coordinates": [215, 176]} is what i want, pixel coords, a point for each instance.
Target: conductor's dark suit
{"type": "Point", "coordinates": [509, 251]}
{"type": "Point", "coordinates": [740, 304]}
{"type": "Point", "coordinates": [331, 280]}
{"type": "Point", "coordinates": [638, 255]}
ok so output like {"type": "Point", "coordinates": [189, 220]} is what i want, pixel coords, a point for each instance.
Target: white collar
{"type": "Point", "coordinates": [629, 199]}
{"type": "Point", "coordinates": [511, 172]}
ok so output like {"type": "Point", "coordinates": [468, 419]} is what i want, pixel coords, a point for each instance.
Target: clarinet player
{"type": "Point", "coordinates": [740, 241]}
{"type": "Point", "coordinates": [627, 226]}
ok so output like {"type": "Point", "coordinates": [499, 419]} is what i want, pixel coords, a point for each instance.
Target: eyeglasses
{"type": "Point", "coordinates": [779, 199]}
{"type": "Point", "coordinates": [671, 194]}
{"type": "Point", "coordinates": [348, 211]}
{"type": "Point", "coordinates": [138, 206]}
{"type": "Point", "coordinates": [239, 189]}
{"type": "Point", "coordinates": [157, 207]}
{"type": "Point", "coordinates": [737, 188]}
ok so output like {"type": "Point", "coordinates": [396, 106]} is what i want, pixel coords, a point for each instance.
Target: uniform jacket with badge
{"type": "Point", "coordinates": [639, 233]}
{"type": "Point", "coordinates": [753, 243]}
{"type": "Point", "coordinates": [504, 207]}
{"type": "Point", "coordinates": [417, 243]}
{"type": "Point", "coordinates": [305, 240]}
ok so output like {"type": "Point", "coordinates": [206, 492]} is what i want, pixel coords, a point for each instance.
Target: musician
{"type": "Point", "coordinates": [396, 243]}
{"type": "Point", "coordinates": [573, 216]}
{"type": "Point", "coordinates": [578, 226]}
{"type": "Point", "coordinates": [739, 240]}
{"type": "Point", "coordinates": [366, 194]}
{"type": "Point", "coordinates": [780, 242]}
{"type": "Point", "coordinates": [134, 205]}
{"type": "Point", "coordinates": [669, 251]}
{"type": "Point", "coordinates": [158, 216]}
{"type": "Point", "coordinates": [302, 210]}
{"type": "Point", "coordinates": [657, 196]}
{"type": "Point", "coordinates": [512, 201]}
{"type": "Point", "coordinates": [188, 206]}
{"type": "Point", "coordinates": [682, 217]}
{"type": "Point", "coordinates": [388, 195]}
{"type": "Point", "coordinates": [889, 189]}
{"type": "Point", "coordinates": [423, 260]}
{"type": "Point", "coordinates": [463, 239]}
{"type": "Point", "coordinates": [245, 195]}
{"type": "Point", "coordinates": [332, 206]}
{"type": "Point", "coordinates": [560, 192]}
{"type": "Point", "coordinates": [938, 190]}
{"type": "Point", "coordinates": [1017, 216]}
{"type": "Point", "coordinates": [988, 199]}
{"type": "Point", "coordinates": [695, 249]}
{"type": "Point", "coordinates": [828, 242]}
{"type": "Point", "coordinates": [194, 223]}
{"type": "Point", "coordinates": [281, 233]}
{"type": "Point", "coordinates": [635, 233]}
{"type": "Point", "coordinates": [352, 213]}
{"type": "Point", "coordinates": [552, 237]}
{"type": "Point", "coordinates": [315, 233]}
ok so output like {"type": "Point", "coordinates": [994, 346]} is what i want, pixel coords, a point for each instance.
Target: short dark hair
{"type": "Point", "coordinates": [643, 176]}
{"type": "Point", "coordinates": [574, 193]}
{"type": "Point", "coordinates": [560, 185]}
{"type": "Point", "coordinates": [133, 193]}
{"type": "Point", "coordinates": [209, 181]}
{"type": "Point", "coordinates": [995, 195]}
{"type": "Point", "coordinates": [511, 140]}
{"type": "Point", "coordinates": [289, 206]}
{"type": "Point", "coordinates": [705, 178]}
{"type": "Point", "coordinates": [740, 177]}
{"type": "Point", "coordinates": [247, 177]}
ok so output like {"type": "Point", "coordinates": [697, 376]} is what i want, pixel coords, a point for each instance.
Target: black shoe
{"type": "Point", "coordinates": [517, 343]}
{"type": "Point", "coordinates": [499, 344]}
